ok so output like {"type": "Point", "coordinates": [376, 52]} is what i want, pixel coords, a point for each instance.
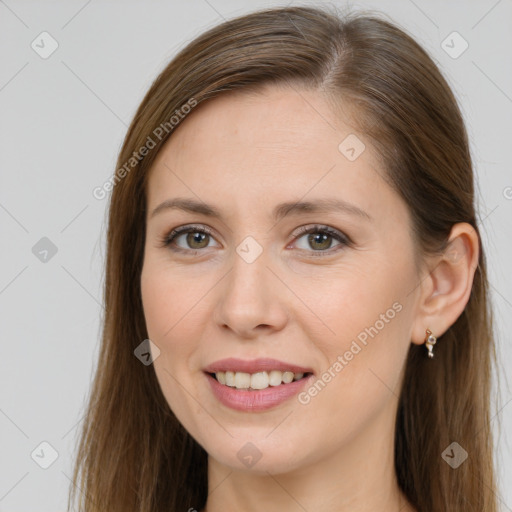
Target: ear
{"type": "Point", "coordinates": [445, 291]}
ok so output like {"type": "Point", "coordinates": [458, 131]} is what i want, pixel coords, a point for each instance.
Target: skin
{"type": "Point", "coordinates": [244, 153]}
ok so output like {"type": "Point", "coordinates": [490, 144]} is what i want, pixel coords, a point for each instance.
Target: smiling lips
{"type": "Point", "coordinates": [255, 374]}
{"type": "Point", "coordinates": [259, 380]}
{"type": "Point", "coordinates": [255, 385]}
{"type": "Point", "coordinates": [254, 366]}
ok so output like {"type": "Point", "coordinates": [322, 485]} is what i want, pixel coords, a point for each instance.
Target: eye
{"type": "Point", "coordinates": [197, 237]}
{"type": "Point", "coordinates": [320, 239]}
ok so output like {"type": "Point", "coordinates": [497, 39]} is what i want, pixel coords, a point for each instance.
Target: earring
{"type": "Point", "coordinates": [430, 341]}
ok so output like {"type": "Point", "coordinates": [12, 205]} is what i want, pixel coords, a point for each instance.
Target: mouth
{"type": "Point", "coordinates": [256, 392]}
{"type": "Point", "coordinates": [244, 381]}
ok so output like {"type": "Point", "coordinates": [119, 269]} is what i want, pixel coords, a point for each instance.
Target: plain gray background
{"type": "Point", "coordinates": [63, 119]}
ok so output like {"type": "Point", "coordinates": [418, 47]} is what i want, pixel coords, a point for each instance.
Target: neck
{"type": "Point", "coordinates": [357, 477]}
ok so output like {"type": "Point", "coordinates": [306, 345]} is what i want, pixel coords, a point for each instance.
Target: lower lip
{"type": "Point", "coordinates": [257, 400]}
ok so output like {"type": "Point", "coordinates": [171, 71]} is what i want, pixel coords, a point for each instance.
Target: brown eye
{"type": "Point", "coordinates": [198, 238]}
{"type": "Point", "coordinates": [189, 237]}
{"type": "Point", "coordinates": [319, 239]}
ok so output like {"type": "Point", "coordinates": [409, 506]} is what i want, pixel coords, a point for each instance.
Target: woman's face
{"type": "Point", "coordinates": [339, 304]}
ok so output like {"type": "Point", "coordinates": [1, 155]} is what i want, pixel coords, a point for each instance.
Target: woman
{"type": "Point", "coordinates": [296, 290]}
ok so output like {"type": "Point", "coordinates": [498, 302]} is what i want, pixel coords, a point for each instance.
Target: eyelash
{"type": "Point", "coordinates": [344, 240]}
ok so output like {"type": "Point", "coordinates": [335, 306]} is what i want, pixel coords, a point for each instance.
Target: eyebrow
{"type": "Point", "coordinates": [324, 205]}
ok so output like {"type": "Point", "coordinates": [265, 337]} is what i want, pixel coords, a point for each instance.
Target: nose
{"type": "Point", "coordinates": [251, 299]}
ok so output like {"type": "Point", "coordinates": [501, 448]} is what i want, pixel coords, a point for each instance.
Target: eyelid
{"type": "Point", "coordinates": [322, 228]}
{"type": "Point", "coordinates": [167, 239]}
{"type": "Point", "coordinates": [343, 239]}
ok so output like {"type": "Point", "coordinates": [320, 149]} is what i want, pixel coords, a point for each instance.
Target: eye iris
{"type": "Point", "coordinates": [318, 240]}
{"type": "Point", "coordinates": [198, 237]}
{"type": "Point", "coordinates": [321, 238]}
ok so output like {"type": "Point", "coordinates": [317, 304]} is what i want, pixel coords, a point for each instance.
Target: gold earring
{"type": "Point", "coordinates": [430, 341]}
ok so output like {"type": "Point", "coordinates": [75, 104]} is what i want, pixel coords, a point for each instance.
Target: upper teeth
{"type": "Point", "coordinates": [260, 380]}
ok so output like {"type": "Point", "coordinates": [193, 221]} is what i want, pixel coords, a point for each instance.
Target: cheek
{"type": "Point", "coordinates": [361, 383]}
{"type": "Point", "coordinates": [168, 306]}
{"type": "Point", "coordinates": [158, 303]}
{"type": "Point", "coordinates": [369, 317]}
{"type": "Point", "coordinates": [166, 302]}
{"type": "Point", "coordinates": [351, 303]}
{"type": "Point", "coordinates": [168, 298]}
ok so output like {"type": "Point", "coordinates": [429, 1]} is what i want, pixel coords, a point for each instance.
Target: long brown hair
{"type": "Point", "coordinates": [133, 453]}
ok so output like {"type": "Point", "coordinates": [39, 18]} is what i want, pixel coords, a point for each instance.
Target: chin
{"type": "Point", "coordinates": [257, 455]}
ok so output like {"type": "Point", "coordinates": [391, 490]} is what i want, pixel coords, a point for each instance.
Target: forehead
{"type": "Point", "coordinates": [278, 144]}
{"type": "Point", "coordinates": [268, 122]}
